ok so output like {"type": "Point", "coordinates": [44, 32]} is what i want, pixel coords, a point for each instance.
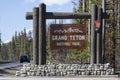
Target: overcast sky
{"type": "Point", "coordinates": [12, 14]}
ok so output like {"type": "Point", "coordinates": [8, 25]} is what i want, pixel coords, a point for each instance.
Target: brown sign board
{"type": "Point", "coordinates": [67, 36]}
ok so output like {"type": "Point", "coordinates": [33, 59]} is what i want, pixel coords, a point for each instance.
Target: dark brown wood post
{"type": "Point", "coordinates": [42, 34]}
{"type": "Point", "coordinates": [35, 35]}
{"type": "Point", "coordinates": [99, 38]}
{"type": "Point", "coordinates": [93, 40]}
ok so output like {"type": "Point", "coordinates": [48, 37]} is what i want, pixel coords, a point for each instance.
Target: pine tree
{"type": "Point", "coordinates": [4, 54]}
{"type": "Point", "coordinates": [0, 47]}
{"type": "Point", "coordinates": [10, 51]}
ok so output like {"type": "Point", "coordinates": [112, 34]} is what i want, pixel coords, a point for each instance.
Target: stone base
{"type": "Point", "coordinates": [67, 70]}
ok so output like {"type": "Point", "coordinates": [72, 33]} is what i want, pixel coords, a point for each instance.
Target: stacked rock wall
{"type": "Point", "coordinates": [65, 70]}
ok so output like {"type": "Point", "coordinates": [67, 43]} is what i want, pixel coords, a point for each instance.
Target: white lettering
{"type": "Point", "coordinates": [77, 37]}
{"type": "Point", "coordinates": [59, 37]}
{"type": "Point", "coordinates": [75, 43]}
{"type": "Point", "coordinates": [63, 44]}
{"type": "Point", "coordinates": [81, 38]}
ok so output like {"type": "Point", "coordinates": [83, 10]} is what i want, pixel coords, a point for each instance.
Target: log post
{"type": "Point", "coordinates": [93, 33]}
{"type": "Point", "coordinates": [35, 35]}
{"type": "Point", "coordinates": [99, 38]}
{"type": "Point", "coordinates": [42, 34]}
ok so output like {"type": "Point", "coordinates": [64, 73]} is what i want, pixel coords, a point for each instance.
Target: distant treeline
{"type": "Point", "coordinates": [21, 43]}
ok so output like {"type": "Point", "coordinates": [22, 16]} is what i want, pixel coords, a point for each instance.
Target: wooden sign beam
{"type": "Point", "coordinates": [61, 15]}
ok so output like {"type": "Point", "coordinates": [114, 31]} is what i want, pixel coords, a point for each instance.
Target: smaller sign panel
{"type": "Point", "coordinates": [67, 36]}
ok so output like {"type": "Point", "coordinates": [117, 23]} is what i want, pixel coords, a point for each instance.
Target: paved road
{"type": "Point", "coordinates": [11, 64]}
{"type": "Point", "coordinates": [53, 78]}
{"type": "Point", "coordinates": [9, 68]}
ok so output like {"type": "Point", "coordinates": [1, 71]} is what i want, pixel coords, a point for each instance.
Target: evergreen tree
{"type": "Point", "coordinates": [10, 51]}
{"type": "Point", "coordinates": [0, 47]}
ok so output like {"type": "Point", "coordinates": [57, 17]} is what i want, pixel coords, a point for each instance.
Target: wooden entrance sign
{"type": "Point", "coordinates": [67, 36]}
{"type": "Point", "coordinates": [40, 21]}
